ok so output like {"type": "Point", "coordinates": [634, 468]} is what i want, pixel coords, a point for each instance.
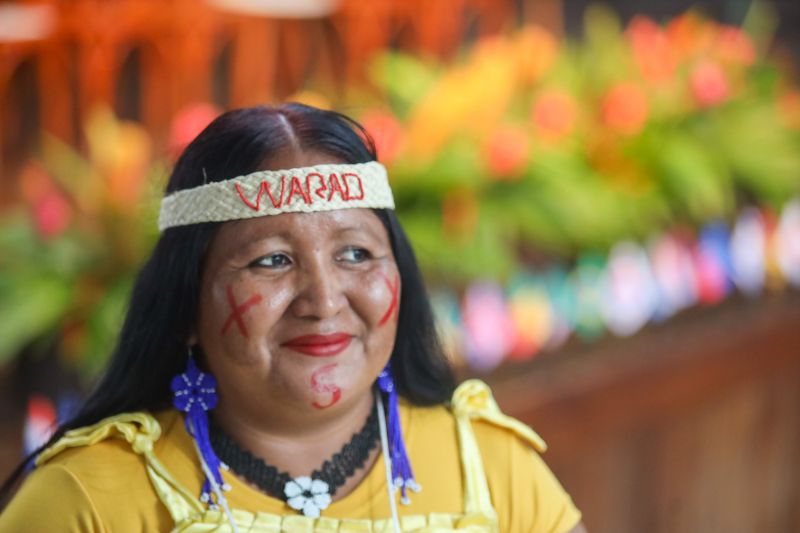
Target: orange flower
{"type": "Point", "coordinates": [554, 115]}
{"type": "Point", "coordinates": [734, 46]}
{"type": "Point", "coordinates": [624, 108]}
{"type": "Point", "coordinates": [690, 36]}
{"type": "Point", "coordinates": [652, 51]}
{"type": "Point", "coordinates": [386, 131]}
{"type": "Point", "coordinates": [789, 106]}
{"type": "Point", "coordinates": [459, 213]}
{"type": "Point", "coordinates": [536, 50]}
{"type": "Point", "coordinates": [506, 152]}
{"type": "Point", "coordinates": [709, 84]}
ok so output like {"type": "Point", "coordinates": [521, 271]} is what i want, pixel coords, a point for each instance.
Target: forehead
{"type": "Point", "coordinates": [299, 228]}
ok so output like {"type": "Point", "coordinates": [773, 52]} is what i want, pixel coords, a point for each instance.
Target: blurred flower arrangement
{"type": "Point", "coordinates": [603, 183]}
{"type": "Point", "coordinates": [528, 149]}
{"type": "Point", "coordinates": [606, 183]}
{"type": "Point", "coordinates": [71, 249]}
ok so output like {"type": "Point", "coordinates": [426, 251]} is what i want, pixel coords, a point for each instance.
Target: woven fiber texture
{"type": "Point", "coordinates": [272, 192]}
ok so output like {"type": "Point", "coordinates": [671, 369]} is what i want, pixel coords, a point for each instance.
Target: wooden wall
{"type": "Point", "coordinates": [691, 426]}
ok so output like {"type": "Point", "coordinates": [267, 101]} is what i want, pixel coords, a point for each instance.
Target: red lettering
{"type": "Point", "coordinates": [257, 205]}
{"type": "Point", "coordinates": [320, 382]}
{"type": "Point", "coordinates": [297, 187]}
{"type": "Point", "coordinates": [347, 186]}
{"type": "Point", "coordinates": [237, 311]}
{"type": "Point", "coordinates": [264, 187]}
{"type": "Point", "coordinates": [275, 204]}
{"type": "Point", "coordinates": [333, 180]}
{"type": "Point", "coordinates": [319, 190]}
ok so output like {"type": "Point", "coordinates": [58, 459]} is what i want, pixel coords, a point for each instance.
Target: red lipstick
{"type": "Point", "coordinates": [320, 345]}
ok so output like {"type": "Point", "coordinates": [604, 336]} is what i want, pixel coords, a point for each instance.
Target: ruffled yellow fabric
{"type": "Point", "coordinates": [472, 401]}
{"type": "Point", "coordinates": [141, 430]}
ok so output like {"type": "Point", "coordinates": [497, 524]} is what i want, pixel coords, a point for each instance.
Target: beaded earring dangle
{"type": "Point", "coordinates": [402, 475]}
{"type": "Point", "coordinates": [194, 394]}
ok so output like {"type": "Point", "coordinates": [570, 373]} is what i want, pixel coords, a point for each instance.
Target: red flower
{"type": "Point", "coordinates": [386, 131]}
{"type": "Point", "coordinates": [709, 84]}
{"type": "Point", "coordinates": [554, 115]}
{"type": "Point", "coordinates": [624, 108]}
{"type": "Point", "coordinates": [735, 46]}
{"type": "Point", "coordinates": [188, 124]}
{"type": "Point", "coordinates": [652, 50]}
{"type": "Point", "coordinates": [506, 152]}
{"type": "Point", "coordinates": [51, 214]}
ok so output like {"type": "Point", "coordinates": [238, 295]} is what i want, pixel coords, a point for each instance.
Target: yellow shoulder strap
{"type": "Point", "coordinates": [473, 400]}
{"type": "Point", "coordinates": [141, 430]}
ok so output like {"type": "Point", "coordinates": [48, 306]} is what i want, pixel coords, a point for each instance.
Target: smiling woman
{"type": "Point", "coordinates": [279, 370]}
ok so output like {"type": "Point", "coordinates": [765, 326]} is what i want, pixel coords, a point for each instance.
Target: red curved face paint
{"type": "Point", "coordinates": [320, 383]}
{"type": "Point", "coordinates": [394, 308]}
{"type": "Point", "coordinates": [237, 311]}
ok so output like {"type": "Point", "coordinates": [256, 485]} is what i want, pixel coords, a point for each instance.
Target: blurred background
{"type": "Point", "coordinates": [604, 198]}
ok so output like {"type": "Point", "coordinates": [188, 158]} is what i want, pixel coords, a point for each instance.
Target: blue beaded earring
{"type": "Point", "coordinates": [402, 475]}
{"type": "Point", "coordinates": [194, 394]}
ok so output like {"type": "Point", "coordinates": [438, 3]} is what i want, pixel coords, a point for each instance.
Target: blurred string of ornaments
{"type": "Point", "coordinates": [605, 183]}
{"type": "Point", "coordinates": [622, 292]}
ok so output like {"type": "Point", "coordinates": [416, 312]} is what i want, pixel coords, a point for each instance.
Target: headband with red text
{"type": "Point", "coordinates": [272, 192]}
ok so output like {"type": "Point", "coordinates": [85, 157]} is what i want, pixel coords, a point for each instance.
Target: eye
{"type": "Point", "coordinates": [354, 254]}
{"type": "Point", "coordinates": [276, 260]}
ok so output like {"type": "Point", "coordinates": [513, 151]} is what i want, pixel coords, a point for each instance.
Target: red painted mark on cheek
{"type": "Point", "coordinates": [394, 308]}
{"type": "Point", "coordinates": [237, 311]}
{"type": "Point", "coordinates": [320, 383]}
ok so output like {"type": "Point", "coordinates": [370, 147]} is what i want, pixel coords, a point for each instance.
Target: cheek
{"type": "Point", "coordinates": [237, 319]}
{"type": "Point", "coordinates": [324, 386]}
{"type": "Point", "coordinates": [237, 305]}
{"type": "Point", "coordinates": [380, 299]}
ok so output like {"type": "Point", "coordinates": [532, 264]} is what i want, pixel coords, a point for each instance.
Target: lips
{"type": "Point", "coordinates": [320, 345]}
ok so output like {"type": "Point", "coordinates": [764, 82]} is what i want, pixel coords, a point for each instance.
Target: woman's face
{"type": "Point", "coordinates": [298, 312]}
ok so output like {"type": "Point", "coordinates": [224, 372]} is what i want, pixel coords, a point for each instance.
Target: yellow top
{"type": "Point", "coordinates": [477, 467]}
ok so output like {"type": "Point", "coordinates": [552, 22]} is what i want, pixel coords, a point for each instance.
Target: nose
{"type": "Point", "coordinates": [321, 294]}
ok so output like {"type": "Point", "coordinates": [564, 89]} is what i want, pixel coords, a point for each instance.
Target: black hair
{"type": "Point", "coordinates": [151, 348]}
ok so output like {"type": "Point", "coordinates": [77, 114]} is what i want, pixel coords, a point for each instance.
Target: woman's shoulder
{"type": "Point", "coordinates": [526, 494]}
{"type": "Point", "coordinates": [112, 444]}
{"type": "Point", "coordinates": [94, 479]}
{"type": "Point", "coordinates": [473, 403]}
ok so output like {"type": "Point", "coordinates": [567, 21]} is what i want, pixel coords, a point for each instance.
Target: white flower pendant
{"type": "Point", "coordinates": [307, 495]}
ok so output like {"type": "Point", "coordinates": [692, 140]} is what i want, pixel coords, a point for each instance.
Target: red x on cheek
{"type": "Point", "coordinates": [394, 308]}
{"type": "Point", "coordinates": [237, 311]}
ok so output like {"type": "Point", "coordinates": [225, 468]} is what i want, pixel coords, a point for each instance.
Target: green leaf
{"type": "Point", "coordinates": [30, 307]}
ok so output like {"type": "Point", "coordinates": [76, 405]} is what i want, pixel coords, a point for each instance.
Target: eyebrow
{"type": "Point", "coordinates": [359, 228]}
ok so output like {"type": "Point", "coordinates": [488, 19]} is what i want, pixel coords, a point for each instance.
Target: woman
{"type": "Point", "coordinates": [256, 380]}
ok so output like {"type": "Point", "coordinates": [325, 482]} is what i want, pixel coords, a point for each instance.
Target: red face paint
{"type": "Point", "coordinates": [394, 309]}
{"type": "Point", "coordinates": [238, 310]}
{"type": "Point", "coordinates": [320, 384]}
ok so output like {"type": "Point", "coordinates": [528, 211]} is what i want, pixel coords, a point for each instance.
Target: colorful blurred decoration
{"type": "Point", "coordinates": [71, 249]}
{"type": "Point", "coordinates": [40, 422]}
{"type": "Point", "coordinates": [632, 287]}
{"type": "Point", "coordinates": [647, 157]}
{"type": "Point", "coordinates": [570, 147]}
{"type": "Point", "coordinates": [603, 184]}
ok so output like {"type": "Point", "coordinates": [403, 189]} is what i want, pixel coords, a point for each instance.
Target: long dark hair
{"type": "Point", "coordinates": [152, 343]}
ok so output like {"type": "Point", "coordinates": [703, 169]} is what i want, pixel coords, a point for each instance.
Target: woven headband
{"type": "Point", "coordinates": [272, 192]}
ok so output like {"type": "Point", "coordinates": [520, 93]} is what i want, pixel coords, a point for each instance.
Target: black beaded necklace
{"type": "Point", "coordinates": [299, 491]}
